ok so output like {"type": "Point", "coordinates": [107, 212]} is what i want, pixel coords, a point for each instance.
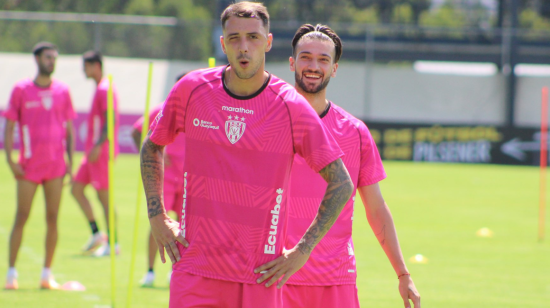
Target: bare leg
{"type": "Point", "coordinates": [153, 247]}
{"type": "Point", "coordinates": [52, 194]}
{"type": "Point", "coordinates": [103, 196]}
{"type": "Point", "coordinates": [78, 192]}
{"type": "Point", "coordinates": [25, 194]}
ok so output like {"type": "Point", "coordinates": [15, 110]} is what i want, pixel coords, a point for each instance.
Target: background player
{"type": "Point", "coordinates": [331, 270]}
{"type": "Point", "coordinates": [94, 166]}
{"type": "Point", "coordinates": [242, 128]}
{"type": "Point", "coordinates": [43, 109]}
{"type": "Point", "coordinates": [174, 155]}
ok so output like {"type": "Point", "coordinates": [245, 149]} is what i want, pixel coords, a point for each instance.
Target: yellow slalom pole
{"type": "Point", "coordinates": [111, 135]}
{"type": "Point", "coordinates": [211, 62]}
{"type": "Point", "coordinates": [144, 130]}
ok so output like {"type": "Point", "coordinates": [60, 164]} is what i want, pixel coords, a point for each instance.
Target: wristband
{"type": "Point", "coordinates": [406, 274]}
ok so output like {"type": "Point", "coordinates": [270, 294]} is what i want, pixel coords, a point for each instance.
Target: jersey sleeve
{"type": "Point", "coordinates": [312, 140]}
{"type": "Point", "coordinates": [14, 104]}
{"type": "Point", "coordinates": [69, 110]}
{"type": "Point", "coordinates": [371, 169]}
{"type": "Point", "coordinates": [101, 100]}
{"type": "Point", "coordinates": [138, 125]}
{"type": "Point", "coordinates": [169, 122]}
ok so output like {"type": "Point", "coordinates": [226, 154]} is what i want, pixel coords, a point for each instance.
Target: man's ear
{"type": "Point", "coordinates": [269, 42]}
{"type": "Point", "coordinates": [223, 44]}
{"type": "Point", "coordinates": [334, 69]}
{"type": "Point", "coordinates": [292, 63]}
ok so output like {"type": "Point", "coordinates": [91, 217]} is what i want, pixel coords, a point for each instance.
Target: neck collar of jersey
{"type": "Point", "coordinates": [247, 96]}
{"type": "Point", "coordinates": [326, 110]}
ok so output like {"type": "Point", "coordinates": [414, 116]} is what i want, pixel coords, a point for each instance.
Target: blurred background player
{"type": "Point", "coordinates": [43, 109]}
{"type": "Point", "coordinates": [330, 270]}
{"type": "Point", "coordinates": [242, 128]}
{"type": "Point", "coordinates": [94, 166]}
{"type": "Point", "coordinates": [174, 155]}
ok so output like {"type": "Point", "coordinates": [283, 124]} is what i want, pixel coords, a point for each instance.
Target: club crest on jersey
{"type": "Point", "coordinates": [234, 128]}
{"type": "Point", "coordinates": [47, 102]}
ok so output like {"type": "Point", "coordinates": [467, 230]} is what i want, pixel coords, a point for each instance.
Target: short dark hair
{"type": "Point", "coordinates": [93, 56]}
{"type": "Point", "coordinates": [180, 76]}
{"type": "Point", "coordinates": [320, 32]}
{"type": "Point", "coordinates": [246, 9]}
{"type": "Point", "coordinates": [40, 47]}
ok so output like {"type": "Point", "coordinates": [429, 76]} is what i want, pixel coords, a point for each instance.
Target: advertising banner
{"type": "Point", "coordinates": [457, 144]}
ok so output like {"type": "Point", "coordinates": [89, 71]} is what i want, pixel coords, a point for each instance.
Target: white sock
{"type": "Point", "coordinates": [46, 272]}
{"type": "Point", "coordinates": [12, 272]}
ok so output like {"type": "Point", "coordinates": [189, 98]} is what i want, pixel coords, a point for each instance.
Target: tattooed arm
{"type": "Point", "coordinates": [165, 230]}
{"type": "Point", "coordinates": [338, 192]}
{"type": "Point", "coordinates": [381, 222]}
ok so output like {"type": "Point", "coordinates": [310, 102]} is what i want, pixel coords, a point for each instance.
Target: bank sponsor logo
{"type": "Point", "coordinates": [205, 124]}
{"type": "Point", "coordinates": [269, 248]}
{"type": "Point", "coordinates": [32, 104]}
{"type": "Point", "coordinates": [234, 128]}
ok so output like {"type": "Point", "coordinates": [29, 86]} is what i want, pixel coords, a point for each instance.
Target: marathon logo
{"type": "Point", "coordinates": [272, 239]}
{"type": "Point", "coordinates": [238, 109]}
{"type": "Point", "coordinates": [182, 222]}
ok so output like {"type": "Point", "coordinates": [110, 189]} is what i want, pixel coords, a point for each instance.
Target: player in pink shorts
{"type": "Point", "coordinates": [94, 166]}
{"type": "Point", "coordinates": [242, 128]}
{"type": "Point", "coordinates": [329, 277]}
{"type": "Point", "coordinates": [43, 109]}
{"type": "Point", "coordinates": [174, 156]}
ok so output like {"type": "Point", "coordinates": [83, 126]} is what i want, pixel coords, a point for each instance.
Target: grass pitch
{"type": "Point", "coordinates": [437, 209]}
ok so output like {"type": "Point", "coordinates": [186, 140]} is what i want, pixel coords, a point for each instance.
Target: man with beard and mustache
{"type": "Point", "coordinates": [242, 128]}
{"type": "Point", "coordinates": [43, 109]}
{"type": "Point", "coordinates": [328, 279]}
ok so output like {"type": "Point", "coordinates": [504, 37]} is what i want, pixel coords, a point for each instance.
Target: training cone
{"type": "Point", "coordinates": [484, 232]}
{"type": "Point", "coordinates": [418, 259]}
{"type": "Point", "coordinates": [73, 286]}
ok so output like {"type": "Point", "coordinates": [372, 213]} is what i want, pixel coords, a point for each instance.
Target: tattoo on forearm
{"type": "Point", "coordinates": [152, 173]}
{"type": "Point", "coordinates": [337, 194]}
{"type": "Point", "coordinates": [381, 236]}
{"type": "Point", "coordinates": [154, 207]}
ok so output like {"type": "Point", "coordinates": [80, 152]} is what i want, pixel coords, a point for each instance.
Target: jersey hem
{"type": "Point", "coordinates": [325, 284]}
{"type": "Point", "coordinates": [214, 277]}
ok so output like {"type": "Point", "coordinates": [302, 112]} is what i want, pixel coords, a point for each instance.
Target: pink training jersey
{"type": "Point", "coordinates": [175, 151]}
{"type": "Point", "coordinates": [239, 153]}
{"type": "Point", "coordinates": [42, 114]}
{"type": "Point", "coordinates": [98, 117]}
{"type": "Point", "coordinates": [332, 262]}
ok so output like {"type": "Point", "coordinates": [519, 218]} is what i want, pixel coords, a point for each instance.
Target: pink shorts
{"type": "Point", "coordinates": [40, 172]}
{"type": "Point", "coordinates": [187, 290]}
{"type": "Point", "coordinates": [320, 296]}
{"type": "Point", "coordinates": [96, 173]}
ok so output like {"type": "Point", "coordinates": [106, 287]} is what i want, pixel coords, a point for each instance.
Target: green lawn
{"type": "Point", "coordinates": [437, 209]}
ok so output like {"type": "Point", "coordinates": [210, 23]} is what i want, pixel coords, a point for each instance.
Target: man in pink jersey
{"type": "Point", "coordinates": [44, 111]}
{"type": "Point", "coordinates": [329, 277]}
{"type": "Point", "coordinates": [242, 128]}
{"type": "Point", "coordinates": [174, 156]}
{"type": "Point", "coordinates": [94, 166]}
